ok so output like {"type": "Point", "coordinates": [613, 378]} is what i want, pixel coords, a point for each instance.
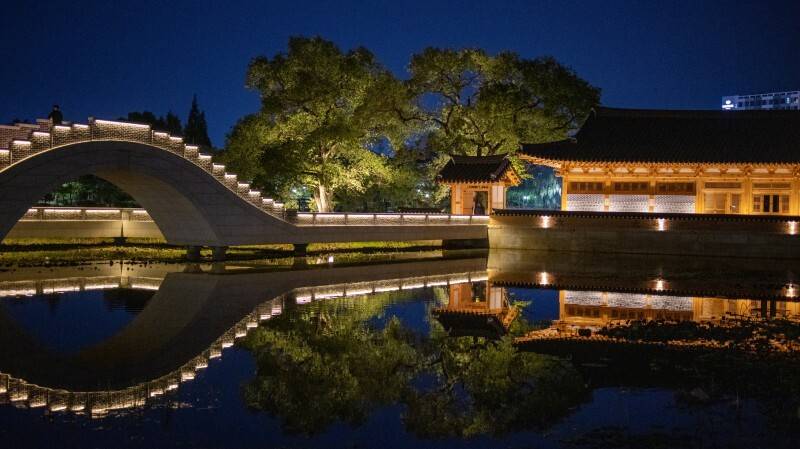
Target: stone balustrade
{"type": "Point", "coordinates": [85, 214]}
{"type": "Point", "coordinates": [21, 141]}
{"type": "Point", "coordinates": [387, 219]}
{"type": "Point", "coordinates": [50, 286]}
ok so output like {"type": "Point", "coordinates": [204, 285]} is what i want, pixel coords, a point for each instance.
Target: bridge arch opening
{"type": "Point", "coordinates": [88, 191]}
{"type": "Point", "coordinates": [189, 206]}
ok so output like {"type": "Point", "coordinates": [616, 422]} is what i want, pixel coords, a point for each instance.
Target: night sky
{"type": "Point", "coordinates": [106, 58]}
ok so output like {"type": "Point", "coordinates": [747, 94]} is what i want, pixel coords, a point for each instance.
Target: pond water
{"type": "Point", "coordinates": [512, 350]}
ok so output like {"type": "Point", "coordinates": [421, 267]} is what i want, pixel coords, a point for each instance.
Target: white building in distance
{"type": "Point", "coordinates": [770, 101]}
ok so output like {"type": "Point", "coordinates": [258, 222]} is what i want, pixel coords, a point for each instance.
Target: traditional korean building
{"type": "Point", "coordinates": [679, 161]}
{"type": "Point", "coordinates": [478, 183]}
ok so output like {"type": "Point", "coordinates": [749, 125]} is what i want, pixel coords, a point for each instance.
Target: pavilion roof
{"type": "Point", "coordinates": [462, 169]}
{"type": "Point", "coordinates": [688, 136]}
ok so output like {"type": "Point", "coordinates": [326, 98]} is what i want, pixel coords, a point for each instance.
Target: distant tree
{"type": "Point", "coordinates": [144, 117]}
{"type": "Point", "coordinates": [89, 190]}
{"type": "Point", "coordinates": [170, 124]}
{"type": "Point", "coordinates": [322, 112]}
{"type": "Point", "coordinates": [196, 131]}
{"type": "Point", "coordinates": [476, 104]}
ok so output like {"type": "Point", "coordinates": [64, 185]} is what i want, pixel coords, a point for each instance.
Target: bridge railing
{"type": "Point", "coordinates": [24, 140]}
{"type": "Point", "coordinates": [85, 214]}
{"type": "Point", "coordinates": [383, 219]}
{"type": "Point", "coordinates": [47, 213]}
{"type": "Point", "coordinates": [49, 286]}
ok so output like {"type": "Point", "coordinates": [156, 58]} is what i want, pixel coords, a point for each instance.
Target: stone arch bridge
{"type": "Point", "coordinates": [193, 201]}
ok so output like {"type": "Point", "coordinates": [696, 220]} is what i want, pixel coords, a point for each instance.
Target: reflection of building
{"type": "Point", "coordinates": [596, 309]}
{"type": "Point", "coordinates": [478, 184]}
{"type": "Point", "coordinates": [587, 308]}
{"type": "Point", "coordinates": [476, 308]}
{"type": "Point", "coordinates": [626, 160]}
{"type": "Point", "coordinates": [772, 100]}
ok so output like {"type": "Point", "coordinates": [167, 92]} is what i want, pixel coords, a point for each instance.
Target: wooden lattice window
{"type": "Point", "coordinates": [585, 187]}
{"type": "Point", "coordinates": [631, 187]}
{"type": "Point", "coordinates": [675, 188]}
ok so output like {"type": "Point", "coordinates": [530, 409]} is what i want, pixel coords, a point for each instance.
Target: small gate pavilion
{"type": "Point", "coordinates": [478, 183]}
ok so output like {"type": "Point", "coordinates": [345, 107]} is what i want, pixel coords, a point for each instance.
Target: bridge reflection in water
{"type": "Point", "coordinates": [189, 321]}
{"type": "Point", "coordinates": [196, 314]}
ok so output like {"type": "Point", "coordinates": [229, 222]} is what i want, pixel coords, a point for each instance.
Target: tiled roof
{"type": "Point", "coordinates": [477, 169]}
{"type": "Point", "coordinates": [637, 135]}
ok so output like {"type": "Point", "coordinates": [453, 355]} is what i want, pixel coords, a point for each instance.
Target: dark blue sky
{"type": "Point", "coordinates": [106, 58]}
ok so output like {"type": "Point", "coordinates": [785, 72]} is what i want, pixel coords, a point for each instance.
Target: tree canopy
{"type": "Point", "coordinates": [342, 125]}
{"type": "Point", "coordinates": [476, 104]}
{"type": "Point", "coordinates": [320, 119]}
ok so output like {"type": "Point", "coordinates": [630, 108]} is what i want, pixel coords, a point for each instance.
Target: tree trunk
{"type": "Point", "coordinates": [323, 199]}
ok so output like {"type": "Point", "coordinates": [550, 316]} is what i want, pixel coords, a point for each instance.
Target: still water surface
{"type": "Point", "coordinates": [517, 351]}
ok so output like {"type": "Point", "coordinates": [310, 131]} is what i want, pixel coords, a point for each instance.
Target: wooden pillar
{"type": "Point", "coordinates": [697, 308]}
{"type": "Point", "coordinates": [651, 197]}
{"type": "Point", "coordinates": [456, 198]}
{"type": "Point", "coordinates": [609, 177]}
{"type": "Point", "coordinates": [794, 197]}
{"type": "Point", "coordinates": [490, 199]}
{"type": "Point", "coordinates": [746, 206]}
{"type": "Point", "coordinates": [699, 202]}
{"type": "Point", "coordinates": [564, 191]}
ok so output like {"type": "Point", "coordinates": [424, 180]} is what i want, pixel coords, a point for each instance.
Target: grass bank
{"type": "Point", "coordinates": [41, 252]}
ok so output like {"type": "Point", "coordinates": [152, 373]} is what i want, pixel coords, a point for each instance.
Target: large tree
{"type": "Point", "coordinates": [323, 113]}
{"type": "Point", "coordinates": [477, 104]}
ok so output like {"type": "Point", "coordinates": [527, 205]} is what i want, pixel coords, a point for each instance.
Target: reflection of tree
{"type": "Point", "coordinates": [325, 363]}
{"type": "Point", "coordinates": [328, 365]}
{"type": "Point", "coordinates": [487, 386]}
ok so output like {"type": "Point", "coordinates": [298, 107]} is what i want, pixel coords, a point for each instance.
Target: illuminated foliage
{"type": "Point", "coordinates": [477, 104]}
{"type": "Point", "coordinates": [328, 357]}
{"type": "Point", "coordinates": [322, 112]}
{"type": "Point", "coordinates": [541, 190]}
